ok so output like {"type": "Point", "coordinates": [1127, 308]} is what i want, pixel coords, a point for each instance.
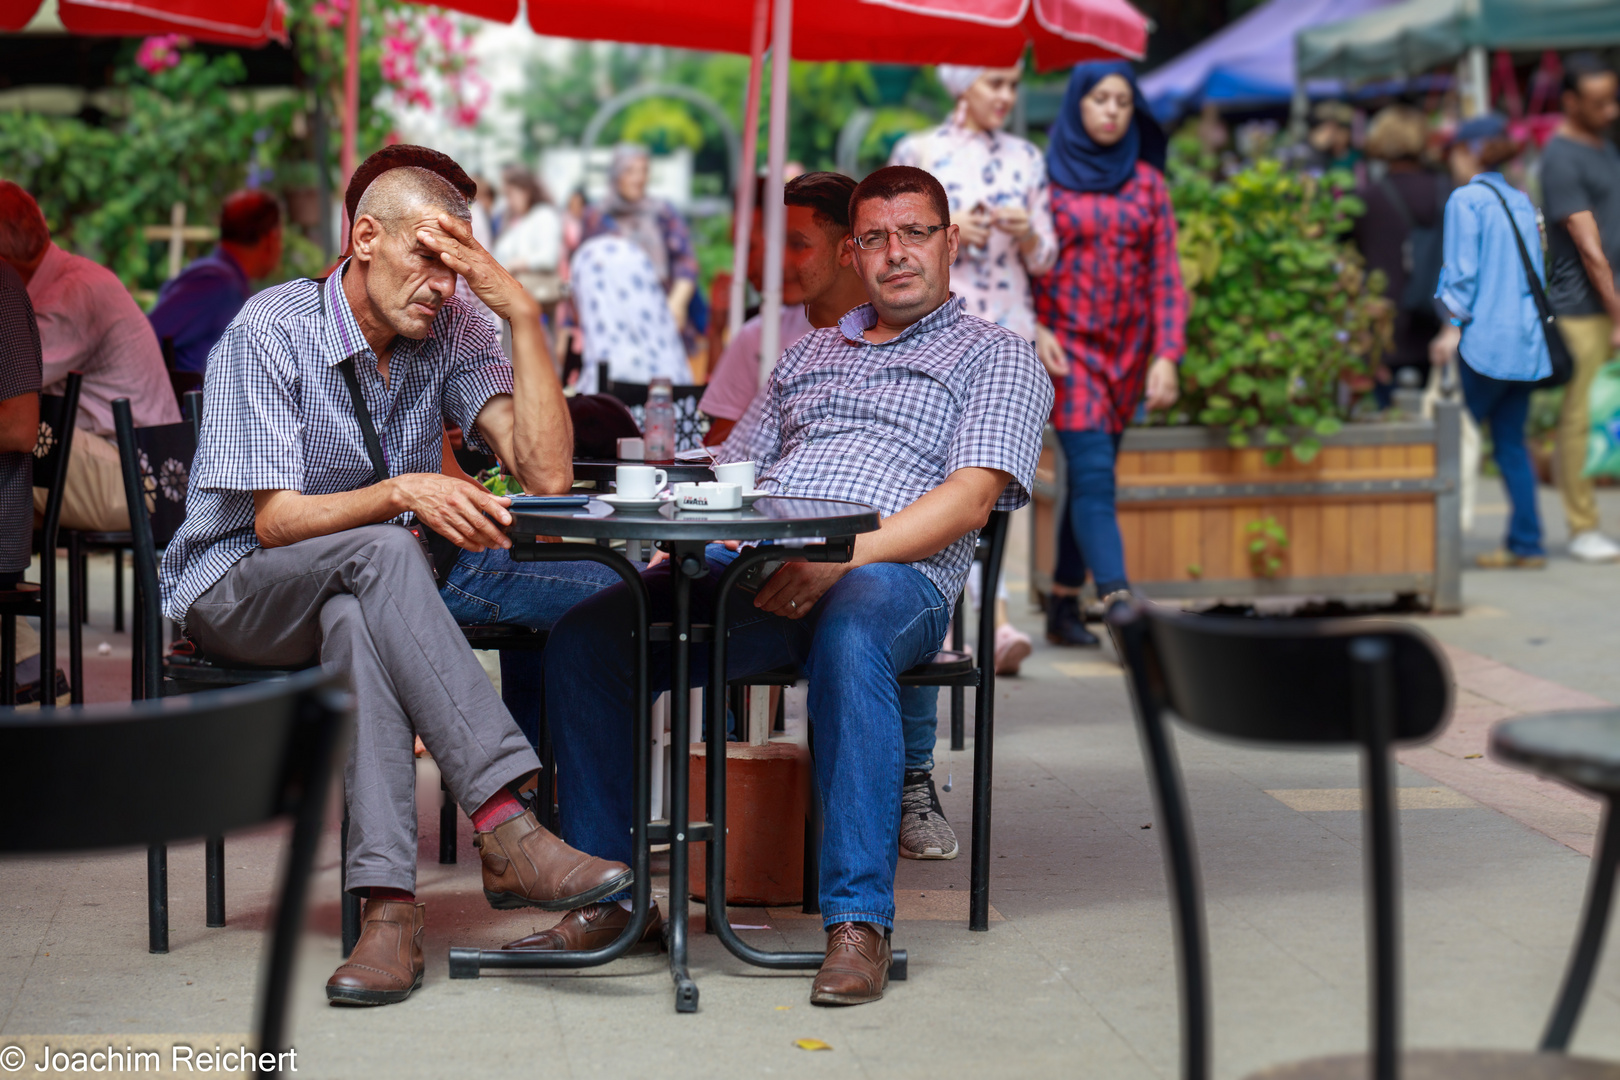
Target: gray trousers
{"type": "Point", "coordinates": [365, 603]}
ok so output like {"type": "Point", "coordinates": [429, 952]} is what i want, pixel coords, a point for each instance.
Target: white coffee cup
{"type": "Point", "coordinates": [639, 481]}
{"type": "Point", "coordinates": [708, 496]}
{"type": "Point", "coordinates": [740, 473]}
{"type": "Point", "coordinates": [632, 449]}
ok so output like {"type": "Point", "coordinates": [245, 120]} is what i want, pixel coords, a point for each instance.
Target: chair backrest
{"type": "Point", "coordinates": [1289, 681]}
{"type": "Point", "coordinates": [156, 463]}
{"type": "Point", "coordinates": [690, 424]}
{"type": "Point", "coordinates": [190, 766]}
{"type": "Point", "coordinates": [57, 416]}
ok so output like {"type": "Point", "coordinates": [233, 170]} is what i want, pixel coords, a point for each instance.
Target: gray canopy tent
{"type": "Point", "coordinates": [1420, 35]}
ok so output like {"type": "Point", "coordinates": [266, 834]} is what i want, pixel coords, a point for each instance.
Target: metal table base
{"type": "Point", "coordinates": [680, 833]}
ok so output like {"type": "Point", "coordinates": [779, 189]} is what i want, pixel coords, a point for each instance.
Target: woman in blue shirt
{"type": "Point", "coordinates": [1502, 348]}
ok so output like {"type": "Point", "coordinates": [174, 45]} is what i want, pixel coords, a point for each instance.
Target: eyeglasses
{"type": "Point", "coordinates": [910, 236]}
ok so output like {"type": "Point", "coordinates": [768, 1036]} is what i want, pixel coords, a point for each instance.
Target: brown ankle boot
{"type": "Point", "coordinates": [856, 969]}
{"type": "Point", "coordinates": [526, 866]}
{"type": "Point", "coordinates": [386, 964]}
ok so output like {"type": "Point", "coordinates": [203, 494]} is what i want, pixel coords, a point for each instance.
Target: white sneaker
{"type": "Point", "coordinates": [1593, 547]}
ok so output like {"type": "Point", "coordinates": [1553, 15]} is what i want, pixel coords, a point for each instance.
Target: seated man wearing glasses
{"type": "Point", "coordinates": [909, 404]}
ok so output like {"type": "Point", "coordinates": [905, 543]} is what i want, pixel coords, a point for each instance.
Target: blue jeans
{"type": "Point", "coordinates": [488, 587]}
{"type": "Point", "coordinates": [1089, 533]}
{"type": "Point", "coordinates": [919, 705]}
{"type": "Point", "coordinates": [1505, 406]}
{"type": "Point", "coordinates": [874, 623]}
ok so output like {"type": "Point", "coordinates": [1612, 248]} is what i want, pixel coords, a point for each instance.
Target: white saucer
{"type": "Point", "coordinates": [624, 502]}
{"type": "Point", "coordinates": [748, 497]}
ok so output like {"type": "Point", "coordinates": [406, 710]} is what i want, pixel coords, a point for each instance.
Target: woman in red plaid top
{"type": "Point", "coordinates": [1116, 308]}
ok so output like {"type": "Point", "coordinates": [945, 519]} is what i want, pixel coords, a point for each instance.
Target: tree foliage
{"type": "Point", "coordinates": [180, 139]}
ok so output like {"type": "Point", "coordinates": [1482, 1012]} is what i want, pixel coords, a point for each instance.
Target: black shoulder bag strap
{"type": "Point", "coordinates": [1563, 364]}
{"type": "Point", "coordinates": [441, 553]}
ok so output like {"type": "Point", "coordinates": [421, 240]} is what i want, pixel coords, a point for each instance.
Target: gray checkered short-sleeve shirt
{"type": "Point", "coordinates": [885, 424]}
{"type": "Point", "coordinates": [277, 416]}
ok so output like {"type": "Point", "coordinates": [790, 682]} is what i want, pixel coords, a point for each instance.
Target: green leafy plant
{"type": "Point", "coordinates": [1285, 321]}
{"type": "Point", "coordinates": [1268, 543]}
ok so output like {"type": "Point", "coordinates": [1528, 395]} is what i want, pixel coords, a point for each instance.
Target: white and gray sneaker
{"type": "Point", "coordinates": [924, 832]}
{"type": "Point", "coordinates": [1593, 547]}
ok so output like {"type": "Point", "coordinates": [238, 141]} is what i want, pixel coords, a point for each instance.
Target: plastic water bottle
{"type": "Point", "coordinates": [659, 428]}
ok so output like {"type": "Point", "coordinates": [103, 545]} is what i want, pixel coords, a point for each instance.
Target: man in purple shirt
{"type": "Point", "coordinates": [193, 309]}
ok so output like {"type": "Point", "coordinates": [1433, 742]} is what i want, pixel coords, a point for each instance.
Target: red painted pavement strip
{"type": "Point", "coordinates": [1489, 692]}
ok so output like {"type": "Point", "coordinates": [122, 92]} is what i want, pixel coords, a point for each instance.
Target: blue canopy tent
{"type": "Point", "coordinates": [1249, 63]}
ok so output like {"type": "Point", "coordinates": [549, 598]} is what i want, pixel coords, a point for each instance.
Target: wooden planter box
{"type": "Point", "coordinates": [1377, 512]}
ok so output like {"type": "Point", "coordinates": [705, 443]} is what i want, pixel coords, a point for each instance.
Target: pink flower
{"type": "Point", "coordinates": [161, 53]}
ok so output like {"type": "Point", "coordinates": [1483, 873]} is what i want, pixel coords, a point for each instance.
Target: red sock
{"type": "Point", "coordinates": [499, 807]}
{"type": "Point", "coordinates": [393, 894]}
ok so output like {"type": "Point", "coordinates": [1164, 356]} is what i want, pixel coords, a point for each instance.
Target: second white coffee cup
{"type": "Point", "coordinates": [639, 481]}
{"type": "Point", "coordinates": [740, 473]}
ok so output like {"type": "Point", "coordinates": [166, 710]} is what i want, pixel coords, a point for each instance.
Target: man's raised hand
{"type": "Point", "coordinates": [452, 240]}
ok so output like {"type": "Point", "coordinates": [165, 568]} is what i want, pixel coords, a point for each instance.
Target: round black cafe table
{"type": "Point", "coordinates": [815, 530]}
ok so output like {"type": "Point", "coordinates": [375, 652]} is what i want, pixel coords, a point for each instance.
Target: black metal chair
{"type": "Point", "coordinates": [184, 768]}
{"type": "Point", "coordinates": [690, 424]}
{"type": "Point", "coordinates": [959, 670]}
{"type": "Point", "coordinates": [183, 670]}
{"type": "Point", "coordinates": [30, 600]}
{"type": "Point", "coordinates": [1581, 749]}
{"type": "Point", "coordinates": [1325, 682]}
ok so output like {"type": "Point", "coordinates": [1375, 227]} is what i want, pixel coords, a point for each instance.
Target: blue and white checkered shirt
{"type": "Point", "coordinates": [278, 416]}
{"type": "Point", "coordinates": [842, 418]}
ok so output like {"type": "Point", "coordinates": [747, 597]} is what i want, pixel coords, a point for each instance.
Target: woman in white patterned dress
{"type": "Point", "coordinates": [999, 199]}
{"type": "Point", "coordinates": [996, 184]}
{"type": "Point", "coordinates": [621, 306]}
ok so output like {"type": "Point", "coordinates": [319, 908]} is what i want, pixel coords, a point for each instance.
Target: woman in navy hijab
{"type": "Point", "coordinates": [1117, 312]}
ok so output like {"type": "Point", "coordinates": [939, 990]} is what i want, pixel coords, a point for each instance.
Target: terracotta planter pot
{"type": "Point", "coordinates": [767, 798]}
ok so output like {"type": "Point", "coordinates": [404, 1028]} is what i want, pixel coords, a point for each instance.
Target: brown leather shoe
{"type": "Point", "coordinates": [592, 927]}
{"type": "Point", "coordinates": [386, 964]}
{"type": "Point", "coordinates": [526, 866]}
{"type": "Point", "coordinates": [856, 969]}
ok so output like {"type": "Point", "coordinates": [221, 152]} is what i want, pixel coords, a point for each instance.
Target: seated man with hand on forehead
{"type": "Point", "coordinates": [929, 414]}
{"type": "Point", "coordinates": [293, 548]}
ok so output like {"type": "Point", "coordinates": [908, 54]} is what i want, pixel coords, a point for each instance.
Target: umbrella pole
{"type": "Point", "coordinates": [351, 103]}
{"type": "Point", "coordinates": [743, 223]}
{"type": "Point", "coordinates": [770, 314]}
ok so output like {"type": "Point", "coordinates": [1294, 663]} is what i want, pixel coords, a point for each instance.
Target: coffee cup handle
{"type": "Point", "coordinates": [660, 480]}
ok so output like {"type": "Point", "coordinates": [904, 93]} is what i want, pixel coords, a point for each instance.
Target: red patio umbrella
{"type": "Point", "coordinates": [992, 32]}
{"type": "Point", "coordinates": [229, 22]}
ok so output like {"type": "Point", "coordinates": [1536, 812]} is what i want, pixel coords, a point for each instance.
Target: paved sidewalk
{"type": "Point", "coordinates": [1075, 979]}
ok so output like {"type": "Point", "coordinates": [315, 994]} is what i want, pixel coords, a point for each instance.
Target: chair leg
{"type": "Point", "coordinates": [214, 859]}
{"type": "Point", "coordinates": [8, 660]}
{"type": "Point", "coordinates": [137, 635]}
{"type": "Point", "coordinates": [78, 610]}
{"type": "Point", "coordinates": [983, 756]}
{"type": "Point", "coordinates": [1589, 943]}
{"type": "Point", "coordinates": [447, 825]}
{"type": "Point", "coordinates": [958, 722]}
{"type": "Point", "coordinates": [118, 590]}
{"type": "Point", "coordinates": [350, 904]}
{"type": "Point", "coordinates": [157, 899]}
